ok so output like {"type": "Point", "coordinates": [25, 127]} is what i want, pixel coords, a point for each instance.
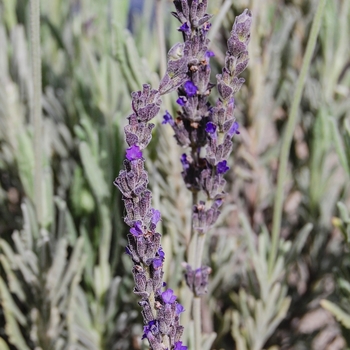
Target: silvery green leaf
{"type": "Point", "coordinates": [9, 305]}
{"type": "Point", "coordinates": [70, 271]}
{"type": "Point", "coordinates": [3, 345]}
{"type": "Point", "coordinates": [208, 341]}
{"type": "Point", "coordinates": [342, 316]}
{"type": "Point", "coordinates": [6, 249]}
{"type": "Point", "coordinates": [14, 284]}
{"type": "Point", "coordinates": [55, 273]}
{"type": "Point", "coordinates": [93, 172]}
{"type": "Point", "coordinates": [25, 161]}
{"type": "Point", "coordinates": [112, 306]}
{"type": "Point", "coordinates": [344, 212]}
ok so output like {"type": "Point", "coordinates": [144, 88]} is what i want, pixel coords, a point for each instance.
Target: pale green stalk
{"type": "Point", "coordinates": [36, 117]}
{"type": "Point", "coordinates": [288, 136]}
{"type": "Point", "coordinates": [219, 19]}
{"type": "Point", "coordinates": [161, 37]}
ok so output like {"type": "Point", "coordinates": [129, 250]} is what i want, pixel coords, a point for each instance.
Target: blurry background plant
{"type": "Point", "coordinates": [65, 284]}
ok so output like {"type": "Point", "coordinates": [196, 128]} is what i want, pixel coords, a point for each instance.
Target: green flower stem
{"type": "Point", "coordinates": [36, 116]}
{"type": "Point", "coordinates": [161, 37]}
{"type": "Point", "coordinates": [195, 259]}
{"type": "Point", "coordinates": [197, 323]}
{"type": "Point", "coordinates": [288, 136]}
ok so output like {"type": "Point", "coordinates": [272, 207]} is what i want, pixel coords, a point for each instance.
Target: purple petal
{"type": "Point", "coordinates": [179, 346]}
{"type": "Point", "coordinates": [210, 128]}
{"type": "Point", "coordinates": [167, 118]}
{"type": "Point", "coordinates": [234, 129]}
{"type": "Point", "coordinates": [157, 263]}
{"type": "Point", "coordinates": [209, 54]}
{"type": "Point", "coordinates": [128, 251]}
{"type": "Point", "coordinates": [133, 153]}
{"type": "Point", "coordinates": [222, 167]}
{"type": "Point", "coordinates": [179, 309]}
{"type": "Point", "coordinates": [184, 28]}
{"type": "Point", "coordinates": [181, 101]}
{"type": "Point", "coordinates": [137, 229]}
{"type": "Point", "coordinates": [190, 88]}
{"type": "Point", "coordinates": [161, 253]}
{"type": "Point", "coordinates": [168, 296]}
{"type": "Point", "coordinates": [155, 216]}
{"type": "Point", "coordinates": [184, 161]}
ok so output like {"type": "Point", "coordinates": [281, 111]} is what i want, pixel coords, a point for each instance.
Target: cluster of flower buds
{"type": "Point", "coordinates": [197, 280]}
{"type": "Point", "coordinates": [160, 310]}
{"type": "Point", "coordinates": [205, 130]}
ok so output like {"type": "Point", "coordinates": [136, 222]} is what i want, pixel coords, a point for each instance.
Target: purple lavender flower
{"type": "Point", "coordinates": [151, 328]}
{"type": "Point", "coordinates": [157, 263]}
{"type": "Point", "coordinates": [168, 119]}
{"type": "Point", "coordinates": [234, 129]}
{"type": "Point", "coordinates": [128, 251]}
{"type": "Point", "coordinates": [179, 346]}
{"type": "Point", "coordinates": [179, 309]}
{"type": "Point", "coordinates": [168, 296]}
{"type": "Point", "coordinates": [155, 216]}
{"type": "Point", "coordinates": [133, 153]}
{"type": "Point", "coordinates": [144, 246]}
{"type": "Point", "coordinates": [210, 128]}
{"type": "Point", "coordinates": [161, 253]}
{"type": "Point", "coordinates": [137, 229]}
{"type": "Point", "coordinates": [190, 88]}
{"type": "Point", "coordinates": [184, 161]}
{"type": "Point", "coordinates": [209, 54]}
{"type": "Point", "coordinates": [222, 167]}
{"type": "Point", "coordinates": [181, 101]}
{"type": "Point", "coordinates": [184, 28]}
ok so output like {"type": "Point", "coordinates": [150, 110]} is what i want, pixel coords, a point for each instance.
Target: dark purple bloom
{"type": "Point", "coordinates": [190, 88]}
{"type": "Point", "coordinates": [209, 54]}
{"type": "Point", "coordinates": [184, 161]}
{"type": "Point", "coordinates": [128, 251]}
{"type": "Point", "coordinates": [152, 327]}
{"type": "Point", "coordinates": [181, 101]}
{"type": "Point", "coordinates": [210, 128]}
{"type": "Point", "coordinates": [218, 202]}
{"type": "Point", "coordinates": [137, 229]}
{"type": "Point", "coordinates": [222, 167]}
{"type": "Point", "coordinates": [184, 28]}
{"type": "Point", "coordinates": [168, 296]}
{"type": "Point", "coordinates": [179, 346]}
{"type": "Point", "coordinates": [234, 129]}
{"type": "Point", "coordinates": [133, 153]}
{"type": "Point", "coordinates": [167, 118]}
{"type": "Point", "coordinates": [157, 263]}
{"type": "Point", "coordinates": [155, 216]}
{"type": "Point", "coordinates": [179, 309]}
{"type": "Point", "coordinates": [161, 253]}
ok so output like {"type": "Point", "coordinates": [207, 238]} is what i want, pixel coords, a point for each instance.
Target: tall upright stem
{"type": "Point", "coordinates": [161, 37]}
{"type": "Point", "coordinates": [36, 116]}
{"type": "Point", "coordinates": [288, 136]}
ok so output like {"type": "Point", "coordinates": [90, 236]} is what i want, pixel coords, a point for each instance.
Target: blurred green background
{"type": "Point", "coordinates": [66, 283]}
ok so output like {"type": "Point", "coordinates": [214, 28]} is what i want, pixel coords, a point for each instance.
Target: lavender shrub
{"type": "Point", "coordinates": [207, 132]}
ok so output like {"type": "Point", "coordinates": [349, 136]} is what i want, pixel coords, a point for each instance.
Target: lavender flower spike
{"type": "Point", "coordinates": [160, 310]}
{"type": "Point", "coordinates": [206, 131]}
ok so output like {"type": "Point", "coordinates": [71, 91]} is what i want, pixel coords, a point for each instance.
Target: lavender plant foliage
{"type": "Point", "coordinates": [160, 310]}
{"type": "Point", "coordinates": [205, 130]}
